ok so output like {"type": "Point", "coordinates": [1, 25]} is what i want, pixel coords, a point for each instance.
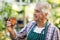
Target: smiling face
{"type": "Point", "coordinates": [38, 14]}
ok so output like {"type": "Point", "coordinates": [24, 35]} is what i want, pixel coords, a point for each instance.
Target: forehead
{"type": "Point", "coordinates": [37, 9]}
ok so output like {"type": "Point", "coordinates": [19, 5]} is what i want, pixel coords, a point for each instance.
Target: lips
{"type": "Point", "coordinates": [35, 16]}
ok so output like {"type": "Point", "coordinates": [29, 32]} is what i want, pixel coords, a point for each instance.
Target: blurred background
{"type": "Point", "coordinates": [23, 10]}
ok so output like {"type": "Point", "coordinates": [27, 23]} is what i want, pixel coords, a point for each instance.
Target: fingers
{"type": "Point", "coordinates": [8, 23]}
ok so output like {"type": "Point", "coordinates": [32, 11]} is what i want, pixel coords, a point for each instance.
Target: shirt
{"type": "Point", "coordinates": [52, 33]}
{"type": "Point", "coordinates": [38, 29]}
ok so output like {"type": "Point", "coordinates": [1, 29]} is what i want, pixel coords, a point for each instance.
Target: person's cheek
{"type": "Point", "coordinates": [41, 16]}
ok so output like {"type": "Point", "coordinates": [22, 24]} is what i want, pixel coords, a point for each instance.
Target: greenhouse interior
{"type": "Point", "coordinates": [23, 11]}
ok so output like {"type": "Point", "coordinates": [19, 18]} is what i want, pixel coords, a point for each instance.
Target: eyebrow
{"type": "Point", "coordinates": [37, 10]}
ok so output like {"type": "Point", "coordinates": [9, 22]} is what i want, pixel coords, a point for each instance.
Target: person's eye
{"type": "Point", "coordinates": [37, 11]}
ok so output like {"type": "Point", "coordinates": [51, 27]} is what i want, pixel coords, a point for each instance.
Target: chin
{"type": "Point", "coordinates": [35, 20]}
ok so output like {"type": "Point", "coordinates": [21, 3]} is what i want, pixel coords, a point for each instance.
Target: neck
{"type": "Point", "coordinates": [41, 23]}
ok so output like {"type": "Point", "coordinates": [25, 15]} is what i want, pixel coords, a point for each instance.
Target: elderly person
{"type": "Point", "coordinates": [39, 29]}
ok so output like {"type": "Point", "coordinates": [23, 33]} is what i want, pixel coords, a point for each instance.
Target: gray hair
{"type": "Point", "coordinates": [45, 7]}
